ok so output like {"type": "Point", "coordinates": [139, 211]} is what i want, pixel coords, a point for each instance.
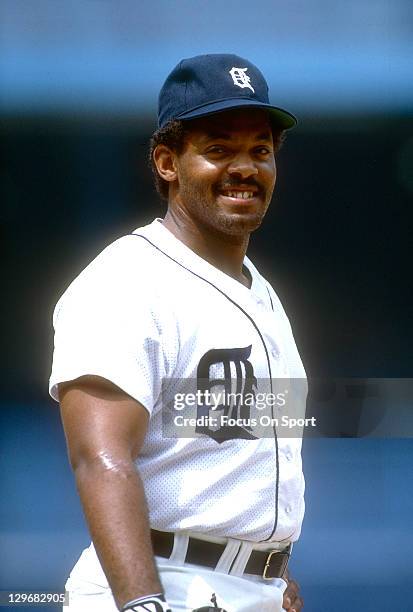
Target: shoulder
{"type": "Point", "coordinates": [124, 258]}
{"type": "Point", "coordinates": [123, 272]}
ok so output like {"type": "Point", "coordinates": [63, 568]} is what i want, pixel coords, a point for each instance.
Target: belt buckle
{"type": "Point", "coordinates": [267, 564]}
{"type": "Point", "coordinates": [286, 552]}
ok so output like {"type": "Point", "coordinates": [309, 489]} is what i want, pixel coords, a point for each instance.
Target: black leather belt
{"type": "Point", "coordinates": [268, 564]}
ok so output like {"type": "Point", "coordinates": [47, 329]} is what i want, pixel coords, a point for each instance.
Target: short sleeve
{"type": "Point", "coordinates": [107, 324]}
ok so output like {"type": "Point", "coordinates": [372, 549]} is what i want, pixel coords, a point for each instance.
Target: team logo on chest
{"type": "Point", "coordinates": [241, 78]}
{"type": "Point", "coordinates": [225, 378]}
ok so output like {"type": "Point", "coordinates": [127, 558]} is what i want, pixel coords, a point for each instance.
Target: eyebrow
{"type": "Point", "coordinates": [215, 135]}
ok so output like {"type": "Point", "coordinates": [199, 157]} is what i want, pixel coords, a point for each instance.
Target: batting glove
{"type": "Point", "coordinates": [147, 603]}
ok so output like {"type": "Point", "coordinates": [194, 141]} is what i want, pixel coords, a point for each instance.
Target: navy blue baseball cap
{"type": "Point", "coordinates": [209, 84]}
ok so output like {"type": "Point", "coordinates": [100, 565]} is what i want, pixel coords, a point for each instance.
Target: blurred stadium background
{"type": "Point", "coordinates": [78, 91]}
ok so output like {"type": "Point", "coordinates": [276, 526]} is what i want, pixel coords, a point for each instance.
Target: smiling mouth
{"type": "Point", "coordinates": [238, 195]}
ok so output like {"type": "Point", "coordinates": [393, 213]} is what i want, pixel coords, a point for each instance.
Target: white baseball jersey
{"type": "Point", "coordinates": [149, 314]}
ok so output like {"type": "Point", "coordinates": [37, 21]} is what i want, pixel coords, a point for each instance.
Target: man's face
{"type": "Point", "coordinates": [226, 172]}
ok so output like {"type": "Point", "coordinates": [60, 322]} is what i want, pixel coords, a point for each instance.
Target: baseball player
{"type": "Point", "coordinates": [199, 517]}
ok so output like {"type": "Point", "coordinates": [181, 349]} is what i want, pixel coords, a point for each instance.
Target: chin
{"type": "Point", "coordinates": [239, 224]}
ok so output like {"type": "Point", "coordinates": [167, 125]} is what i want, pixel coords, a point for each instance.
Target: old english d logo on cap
{"type": "Point", "coordinates": [240, 77]}
{"type": "Point", "coordinates": [208, 84]}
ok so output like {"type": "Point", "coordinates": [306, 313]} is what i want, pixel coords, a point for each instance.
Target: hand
{"type": "Point", "coordinates": [292, 602]}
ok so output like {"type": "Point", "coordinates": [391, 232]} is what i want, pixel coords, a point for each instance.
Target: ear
{"type": "Point", "coordinates": [164, 159]}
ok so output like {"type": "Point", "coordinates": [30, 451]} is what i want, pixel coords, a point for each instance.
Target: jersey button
{"type": "Point", "coordinates": [275, 353]}
{"type": "Point", "coordinates": [288, 509]}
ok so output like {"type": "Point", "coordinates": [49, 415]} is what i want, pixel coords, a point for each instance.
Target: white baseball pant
{"type": "Point", "coordinates": [187, 586]}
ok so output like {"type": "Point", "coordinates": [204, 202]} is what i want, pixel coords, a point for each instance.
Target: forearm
{"type": "Point", "coordinates": [114, 503]}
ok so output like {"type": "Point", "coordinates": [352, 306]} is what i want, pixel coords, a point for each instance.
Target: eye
{"type": "Point", "coordinates": [216, 150]}
{"type": "Point", "coordinates": [263, 151]}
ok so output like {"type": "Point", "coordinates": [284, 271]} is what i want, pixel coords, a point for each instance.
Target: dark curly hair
{"type": "Point", "coordinates": [173, 136]}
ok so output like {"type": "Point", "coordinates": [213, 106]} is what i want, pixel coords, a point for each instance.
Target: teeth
{"type": "Point", "coordinates": [244, 195]}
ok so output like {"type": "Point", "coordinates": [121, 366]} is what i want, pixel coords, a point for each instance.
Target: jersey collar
{"type": "Point", "coordinates": [159, 235]}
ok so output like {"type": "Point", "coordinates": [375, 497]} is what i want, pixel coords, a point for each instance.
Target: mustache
{"type": "Point", "coordinates": [228, 185]}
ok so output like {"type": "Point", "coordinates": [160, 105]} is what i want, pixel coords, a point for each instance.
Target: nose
{"type": "Point", "coordinates": [243, 166]}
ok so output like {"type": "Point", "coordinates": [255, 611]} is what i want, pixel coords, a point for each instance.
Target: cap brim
{"type": "Point", "coordinates": [279, 117]}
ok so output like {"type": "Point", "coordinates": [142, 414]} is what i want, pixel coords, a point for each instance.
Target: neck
{"type": "Point", "coordinates": [224, 251]}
